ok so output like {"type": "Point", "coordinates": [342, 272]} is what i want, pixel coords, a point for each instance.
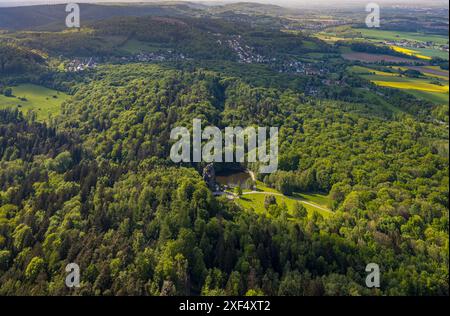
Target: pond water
{"type": "Point", "coordinates": [234, 179]}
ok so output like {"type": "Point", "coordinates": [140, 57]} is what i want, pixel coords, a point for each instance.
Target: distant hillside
{"type": "Point", "coordinates": [251, 8]}
{"type": "Point", "coordinates": [52, 17]}
{"type": "Point", "coordinates": [194, 37]}
{"type": "Point", "coordinates": [44, 17]}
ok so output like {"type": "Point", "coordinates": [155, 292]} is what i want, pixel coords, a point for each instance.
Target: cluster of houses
{"type": "Point", "coordinates": [313, 25]}
{"type": "Point", "coordinates": [245, 53]}
{"type": "Point", "coordinates": [300, 67]}
{"type": "Point", "coordinates": [154, 57]}
{"type": "Point", "coordinates": [82, 64]}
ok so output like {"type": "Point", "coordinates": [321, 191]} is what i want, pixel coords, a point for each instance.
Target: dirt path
{"type": "Point", "coordinates": [252, 175]}
{"type": "Point", "coordinates": [229, 195]}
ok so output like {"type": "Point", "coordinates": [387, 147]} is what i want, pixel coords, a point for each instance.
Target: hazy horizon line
{"type": "Point", "coordinates": [282, 3]}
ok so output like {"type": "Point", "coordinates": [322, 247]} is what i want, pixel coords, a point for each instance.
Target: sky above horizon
{"type": "Point", "coordinates": [291, 3]}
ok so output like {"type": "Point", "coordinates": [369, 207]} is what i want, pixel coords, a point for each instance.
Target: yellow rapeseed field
{"type": "Point", "coordinates": [422, 86]}
{"type": "Point", "coordinates": [409, 52]}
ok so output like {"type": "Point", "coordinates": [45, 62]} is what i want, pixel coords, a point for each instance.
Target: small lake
{"type": "Point", "coordinates": [234, 179]}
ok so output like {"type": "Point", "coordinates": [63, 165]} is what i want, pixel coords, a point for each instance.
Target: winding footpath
{"type": "Point", "coordinates": [289, 197]}
{"type": "Point", "coordinates": [232, 196]}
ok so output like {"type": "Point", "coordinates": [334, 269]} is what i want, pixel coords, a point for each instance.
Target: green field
{"type": "Point", "coordinates": [394, 35]}
{"type": "Point", "coordinates": [312, 202]}
{"type": "Point", "coordinates": [317, 198]}
{"type": "Point", "coordinates": [261, 187]}
{"type": "Point", "coordinates": [432, 52]}
{"type": "Point", "coordinates": [368, 71]}
{"type": "Point", "coordinates": [43, 101]}
{"type": "Point", "coordinates": [133, 46]}
{"type": "Point", "coordinates": [435, 97]}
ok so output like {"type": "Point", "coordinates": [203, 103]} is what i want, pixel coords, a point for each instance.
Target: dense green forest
{"type": "Point", "coordinates": [14, 60]}
{"type": "Point", "coordinates": [95, 186]}
{"type": "Point", "coordinates": [86, 176]}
